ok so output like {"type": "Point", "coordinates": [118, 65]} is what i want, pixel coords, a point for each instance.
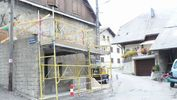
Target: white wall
{"type": "Point", "coordinates": [132, 46]}
{"type": "Point", "coordinates": [115, 55]}
{"type": "Point", "coordinates": [128, 67]}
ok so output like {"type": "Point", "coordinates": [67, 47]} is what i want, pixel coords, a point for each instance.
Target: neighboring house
{"type": "Point", "coordinates": [106, 37]}
{"type": "Point", "coordinates": [142, 32]}
{"type": "Point", "coordinates": [75, 32]}
{"type": "Point", "coordinates": [165, 45]}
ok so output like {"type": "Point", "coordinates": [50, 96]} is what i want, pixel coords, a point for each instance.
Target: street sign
{"type": "Point", "coordinates": [32, 40]}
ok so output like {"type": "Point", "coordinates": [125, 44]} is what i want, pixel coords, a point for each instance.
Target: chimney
{"type": "Point", "coordinates": [152, 13]}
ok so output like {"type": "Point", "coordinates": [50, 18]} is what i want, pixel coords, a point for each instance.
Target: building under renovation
{"type": "Point", "coordinates": [54, 46]}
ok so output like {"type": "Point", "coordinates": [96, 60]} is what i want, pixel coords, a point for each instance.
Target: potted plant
{"type": "Point", "coordinates": [155, 72]}
{"type": "Point", "coordinates": [143, 51]}
{"type": "Point", "coordinates": [129, 54]}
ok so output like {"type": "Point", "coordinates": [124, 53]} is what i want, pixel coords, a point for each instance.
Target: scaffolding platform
{"type": "Point", "coordinates": [65, 48]}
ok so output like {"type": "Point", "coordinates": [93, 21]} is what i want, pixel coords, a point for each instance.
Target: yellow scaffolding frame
{"type": "Point", "coordinates": [56, 67]}
{"type": "Point", "coordinates": [58, 78]}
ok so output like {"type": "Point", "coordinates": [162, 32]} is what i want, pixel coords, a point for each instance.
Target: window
{"type": "Point", "coordinates": [108, 38]}
{"type": "Point", "coordinates": [103, 38]}
{"type": "Point", "coordinates": [104, 48]}
{"type": "Point", "coordinates": [175, 65]}
{"type": "Point", "coordinates": [118, 60]}
{"type": "Point", "coordinates": [112, 60]}
{"type": "Point", "coordinates": [118, 51]}
{"type": "Point", "coordinates": [102, 59]}
{"type": "Point", "coordinates": [111, 49]}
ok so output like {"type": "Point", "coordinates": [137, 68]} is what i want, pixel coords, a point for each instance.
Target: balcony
{"type": "Point", "coordinates": [133, 54]}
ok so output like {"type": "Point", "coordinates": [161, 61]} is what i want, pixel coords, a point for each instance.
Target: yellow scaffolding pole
{"type": "Point", "coordinates": [55, 69]}
{"type": "Point", "coordinates": [40, 67]}
{"type": "Point", "coordinates": [90, 69]}
{"type": "Point", "coordinates": [78, 72]}
{"type": "Point", "coordinates": [54, 51]}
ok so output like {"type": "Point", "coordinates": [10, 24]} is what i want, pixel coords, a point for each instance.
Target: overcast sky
{"type": "Point", "coordinates": [115, 13]}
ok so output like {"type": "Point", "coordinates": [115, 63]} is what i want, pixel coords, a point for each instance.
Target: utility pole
{"type": "Point", "coordinates": [97, 31]}
{"type": "Point", "coordinates": [11, 47]}
{"type": "Point", "coordinates": [97, 24]}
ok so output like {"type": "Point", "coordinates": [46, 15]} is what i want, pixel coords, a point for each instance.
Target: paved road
{"type": "Point", "coordinates": [129, 87]}
{"type": "Point", "coordinates": [142, 88]}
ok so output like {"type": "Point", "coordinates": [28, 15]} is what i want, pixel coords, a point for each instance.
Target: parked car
{"type": "Point", "coordinates": [173, 74]}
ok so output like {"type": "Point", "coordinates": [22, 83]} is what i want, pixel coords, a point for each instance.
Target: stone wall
{"type": "Point", "coordinates": [26, 73]}
{"type": "Point", "coordinates": [25, 69]}
{"type": "Point", "coordinates": [165, 59]}
{"type": "Point", "coordinates": [67, 29]}
{"type": "Point", "coordinates": [4, 65]}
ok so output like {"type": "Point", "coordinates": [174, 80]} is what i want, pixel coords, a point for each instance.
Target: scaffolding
{"type": "Point", "coordinates": [52, 43]}
{"type": "Point", "coordinates": [77, 71]}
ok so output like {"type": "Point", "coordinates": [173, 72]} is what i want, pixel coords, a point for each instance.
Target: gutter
{"type": "Point", "coordinates": [58, 12]}
{"type": "Point", "coordinates": [127, 42]}
{"type": "Point", "coordinates": [143, 57]}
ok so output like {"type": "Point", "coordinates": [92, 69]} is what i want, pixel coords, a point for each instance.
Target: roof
{"type": "Point", "coordinates": [109, 30]}
{"type": "Point", "coordinates": [141, 26]}
{"type": "Point", "coordinates": [167, 39]}
{"type": "Point", "coordinates": [30, 2]}
{"type": "Point", "coordinates": [90, 8]}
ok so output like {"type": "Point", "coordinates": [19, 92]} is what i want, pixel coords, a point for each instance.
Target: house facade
{"type": "Point", "coordinates": [138, 38]}
{"type": "Point", "coordinates": [106, 37]}
{"type": "Point", "coordinates": [74, 33]}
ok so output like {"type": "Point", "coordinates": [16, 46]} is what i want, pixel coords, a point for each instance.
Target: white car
{"type": "Point", "coordinates": [173, 73]}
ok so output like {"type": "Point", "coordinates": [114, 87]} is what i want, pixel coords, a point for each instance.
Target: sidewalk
{"type": "Point", "coordinates": [6, 95]}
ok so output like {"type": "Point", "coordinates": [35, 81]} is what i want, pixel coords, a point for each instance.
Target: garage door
{"type": "Point", "coordinates": [143, 67]}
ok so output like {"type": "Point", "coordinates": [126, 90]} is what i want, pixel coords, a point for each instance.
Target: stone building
{"type": "Point", "coordinates": [75, 33]}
